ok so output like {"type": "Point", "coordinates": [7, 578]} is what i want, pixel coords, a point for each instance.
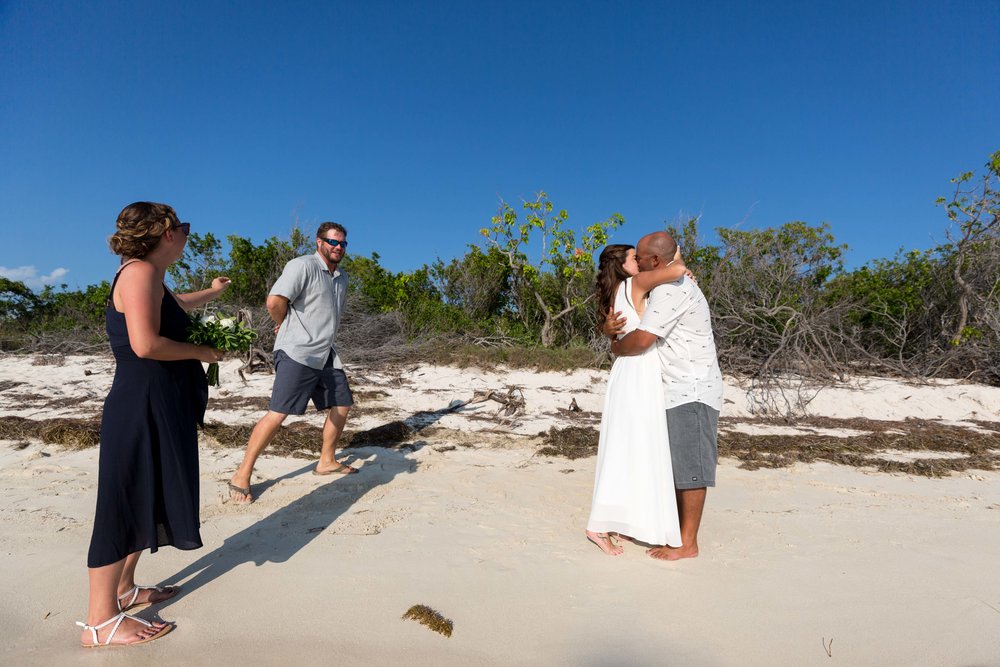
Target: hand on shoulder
{"type": "Point", "coordinates": [614, 324]}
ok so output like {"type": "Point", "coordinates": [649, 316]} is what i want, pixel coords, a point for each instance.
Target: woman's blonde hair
{"type": "Point", "coordinates": [139, 228]}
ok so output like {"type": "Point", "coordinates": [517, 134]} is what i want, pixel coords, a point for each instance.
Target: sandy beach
{"type": "Point", "coordinates": [811, 564]}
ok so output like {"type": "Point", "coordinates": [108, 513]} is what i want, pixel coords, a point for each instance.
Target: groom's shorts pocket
{"type": "Point", "coordinates": [694, 451]}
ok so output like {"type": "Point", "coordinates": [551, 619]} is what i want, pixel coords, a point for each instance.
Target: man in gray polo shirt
{"type": "Point", "coordinates": [678, 322]}
{"type": "Point", "coordinates": [305, 303]}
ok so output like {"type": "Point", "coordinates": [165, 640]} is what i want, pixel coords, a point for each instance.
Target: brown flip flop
{"type": "Point", "coordinates": [341, 469]}
{"type": "Point", "coordinates": [239, 489]}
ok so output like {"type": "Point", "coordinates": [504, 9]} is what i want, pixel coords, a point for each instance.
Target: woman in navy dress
{"type": "Point", "coordinates": [147, 490]}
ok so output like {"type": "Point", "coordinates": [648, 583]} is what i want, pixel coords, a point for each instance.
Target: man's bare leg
{"type": "Point", "coordinates": [336, 418]}
{"type": "Point", "coordinates": [260, 438]}
{"type": "Point", "coordinates": [690, 505]}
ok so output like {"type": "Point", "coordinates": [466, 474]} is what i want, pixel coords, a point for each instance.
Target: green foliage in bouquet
{"type": "Point", "coordinates": [223, 333]}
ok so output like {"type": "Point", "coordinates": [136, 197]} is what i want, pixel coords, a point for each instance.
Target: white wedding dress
{"type": "Point", "coordinates": [634, 484]}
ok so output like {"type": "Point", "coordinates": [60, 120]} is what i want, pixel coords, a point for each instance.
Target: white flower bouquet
{"type": "Point", "coordinates": [223, 333]}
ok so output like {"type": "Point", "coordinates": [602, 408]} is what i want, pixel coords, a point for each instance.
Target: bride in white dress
{"type": "Point", "coordinates": [634, 484]}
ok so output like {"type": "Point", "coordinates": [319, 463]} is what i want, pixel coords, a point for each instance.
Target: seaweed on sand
{"type": "Point", "coordinates": [960, 448]}
{"type": "Point", "coordinates": [572, 442]}
{"type": "Point", "coordinates": [298, 440]}
{"type": "Point", "coordinates": [430, 618]}
{"type": "Point", "coordinates": [70, 433]}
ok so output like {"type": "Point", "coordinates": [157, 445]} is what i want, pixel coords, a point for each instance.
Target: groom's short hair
{"type": "Point", "coordinates": [660, 244]}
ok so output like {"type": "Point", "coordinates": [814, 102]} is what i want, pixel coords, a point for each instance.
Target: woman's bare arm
{"type": "Point", "coordinates": [140, 292]}
{"type": "Point", "coordinates": [192, 300]}
{"type": "Point", "coordinates": [668, 273]}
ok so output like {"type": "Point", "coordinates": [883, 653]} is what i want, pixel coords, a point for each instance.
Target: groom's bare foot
{"type": "Point", "coordinates": [603, 540]}
{"type": "Point", "coordinates": [673, 553]}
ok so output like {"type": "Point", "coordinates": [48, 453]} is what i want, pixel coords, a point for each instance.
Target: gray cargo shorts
{"type": "Point", "coordinates": [694, 444]}
{"type": "Point", "coordinates": [295, 384]}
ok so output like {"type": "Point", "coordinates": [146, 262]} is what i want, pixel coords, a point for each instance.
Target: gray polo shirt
{"type": "Point", "coordinates": [315, 301]}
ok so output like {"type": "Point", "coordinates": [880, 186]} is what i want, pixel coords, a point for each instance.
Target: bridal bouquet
{"type": "Point", "coordinates": [223, 333]}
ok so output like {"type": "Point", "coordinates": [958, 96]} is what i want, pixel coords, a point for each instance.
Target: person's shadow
{"type": "Point", "coordinates": [279, 536]}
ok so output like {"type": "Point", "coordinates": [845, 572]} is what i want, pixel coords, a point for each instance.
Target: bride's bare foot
{"type": "Point", "coordinates": [673, 553]}
{"type": "Point", "coordinates": [603, 540]}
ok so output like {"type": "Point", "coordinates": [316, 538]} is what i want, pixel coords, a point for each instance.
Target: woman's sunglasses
{"type": "Point", "coordinates": [184, 227]}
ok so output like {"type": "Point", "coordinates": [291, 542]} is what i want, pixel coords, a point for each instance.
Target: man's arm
{"type": "Point", "coordinates": [286, 288]}
{"type": "Point", "coordinates": [614, 323]}
{"type": "Point", "coordinates": [277, 308]}
{"type": "Point", "coordinates": [663, 311]}
{"type": "Point", "coordinates": [636, 342]}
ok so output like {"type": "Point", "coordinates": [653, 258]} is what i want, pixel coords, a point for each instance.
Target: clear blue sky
{"type": "Point", "coordinates": [405, 121]}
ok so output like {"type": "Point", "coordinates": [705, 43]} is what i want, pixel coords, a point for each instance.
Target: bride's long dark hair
{"type": "Point", "coordinates": [610, 272]}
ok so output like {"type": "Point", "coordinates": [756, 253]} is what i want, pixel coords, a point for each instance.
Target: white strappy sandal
{"type": "Point", "coordinates": [133, 594]}
{"type": "Point", "coordinates": [117, 620]}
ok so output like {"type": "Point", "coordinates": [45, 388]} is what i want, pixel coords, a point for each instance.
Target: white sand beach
{"type": "Point", "coordinates": [812, 564]}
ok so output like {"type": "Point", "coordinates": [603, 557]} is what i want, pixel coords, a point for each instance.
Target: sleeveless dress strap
{"type": "Point", "coordinates": [118, 273]}
{"type": "Point", "coordinates": [628, 293]}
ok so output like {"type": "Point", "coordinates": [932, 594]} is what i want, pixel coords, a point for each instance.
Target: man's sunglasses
{"type": "Point", "coordinates": [335, 243]}
{"type": "Point", "coordinates": [184, 227]}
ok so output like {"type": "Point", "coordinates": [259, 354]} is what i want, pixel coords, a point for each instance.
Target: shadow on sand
{"type": "Point", "coordinates": [282, 534]}
{"type": "Point", "coordinates": [279, 536]}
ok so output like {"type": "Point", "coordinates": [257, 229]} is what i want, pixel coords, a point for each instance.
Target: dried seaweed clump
{"type": "Point", "coordinates": [572, 442]}
{"type": "Point", "coordinates": [977, 450]}
{"type": "Point", "coordinates": [298, 440]}
{"type": "Point", "coordinates": [877, 447]}
{"type": "Point", "coordinates": [431, 618]}
{"type": "Point", "coordinates": [70, 433]}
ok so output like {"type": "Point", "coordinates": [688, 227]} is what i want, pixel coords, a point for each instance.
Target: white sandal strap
{"type": "Point", "coordinates": [135, 595]}
{"type": "Point", "coordinates": [93, 631]}
{"type": "Point", "coordinates": [120, 617]}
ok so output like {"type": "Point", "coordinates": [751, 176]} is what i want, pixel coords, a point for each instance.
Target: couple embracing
{"type": "Point", "coordinates": [658, 445]}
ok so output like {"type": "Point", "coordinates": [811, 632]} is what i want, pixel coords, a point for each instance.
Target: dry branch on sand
{"type": "Point", "coordinates": [510, 403]}
{"type": "Point", "coordinates": [397, 432]}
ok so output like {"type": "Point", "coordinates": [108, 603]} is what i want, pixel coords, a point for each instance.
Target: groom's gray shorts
{"type": "Point", "coordinates": [694, 444]}
{"type": "Point", "coordinates": [295, 384]}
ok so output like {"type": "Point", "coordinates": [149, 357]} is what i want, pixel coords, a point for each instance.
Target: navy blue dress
{"type": "Point", "coordinates": [147, 490]}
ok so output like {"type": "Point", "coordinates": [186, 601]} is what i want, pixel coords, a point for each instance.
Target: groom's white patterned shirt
{"type": "Point", "coordinates": [678, 314]}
